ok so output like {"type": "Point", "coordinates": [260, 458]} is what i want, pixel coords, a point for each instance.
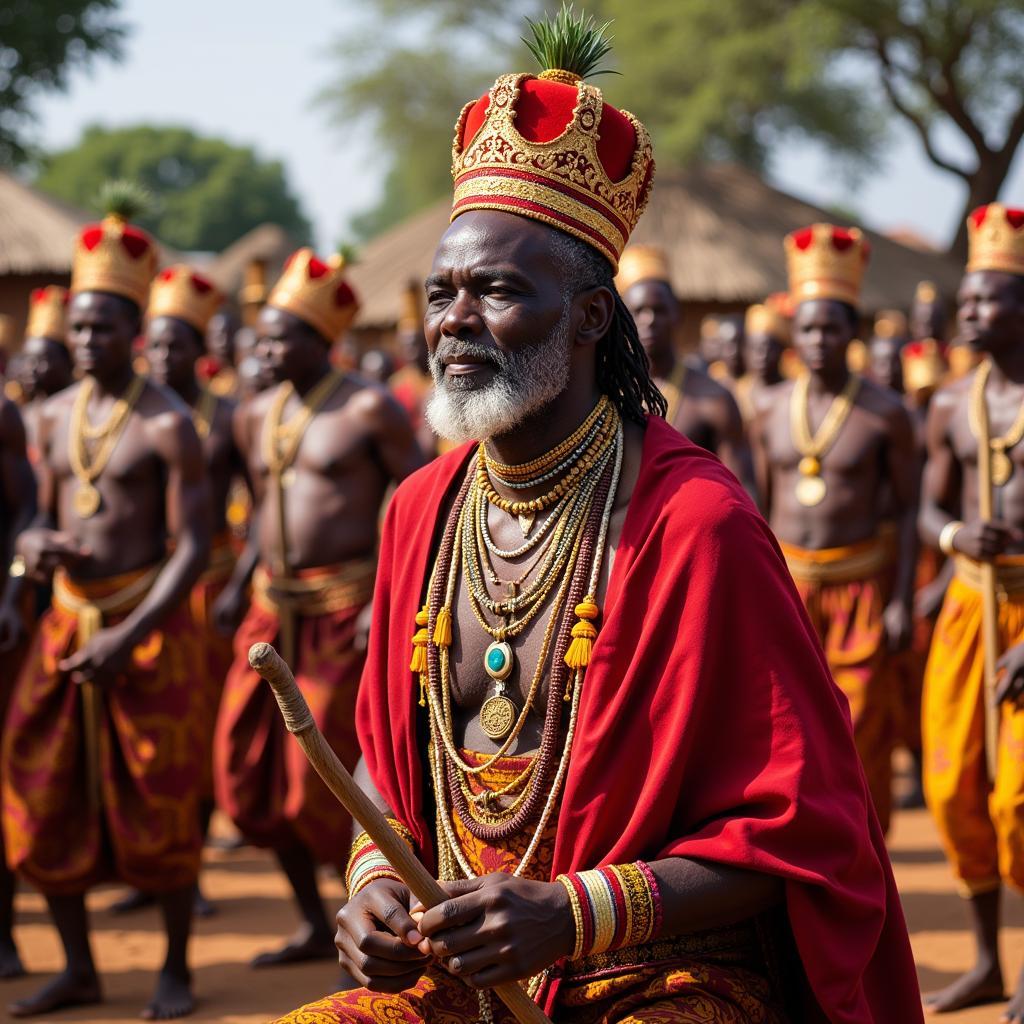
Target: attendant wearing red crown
{"type": "Point", "coordinates": [973, 510]}
{"type": "Point", "coordinates": [102, 770]}
{"type": "Point", "coordinates": [698, 407]}
{"type": "Point", "coordinates": [322, 450]}
{"type": "Point", "coordinates": [835, 452]}
{"type": "Point", "coordinates": [613, 735]}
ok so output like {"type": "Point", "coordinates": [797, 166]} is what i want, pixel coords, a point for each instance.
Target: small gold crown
{"type": "Point", "coordinates": [180, 292]}
{"type": "Point", "coordinates": [995, 239]}
{"type": "Point", "coordinates": [114, 256]}
{"type": "Point", "coordinates": [826, 262]}
{"type": "Point", "coordinates": [642, 263]}
{"type": "Point", "coordinates": [316, 292]}
{"type": "Point", "coordinates": [890, 323]}
{"type": "Point", "coordinates": [48, 313]}
{"type": "Point", "coordinates": [769, 318]}
{"type": "Point", "coordinates": [410, 315]}
{"type": "Point", "coordinates": [923, 365]}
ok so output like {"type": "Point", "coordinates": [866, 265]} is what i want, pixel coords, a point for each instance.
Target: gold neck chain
{"type": "Point", "coordinates": [281, 440]}
{"type": "Point", "coordinates": [202, 414]}
{"type": "Point", "coordinates": [816, 445]}
{"type": "Point", "coordinates": [1002, 465]}
{"type": "Point", "coordinates": [108, 433]}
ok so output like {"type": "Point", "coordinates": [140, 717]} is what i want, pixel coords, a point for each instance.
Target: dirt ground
{"type": "Point", "coordinates": [255, 913]}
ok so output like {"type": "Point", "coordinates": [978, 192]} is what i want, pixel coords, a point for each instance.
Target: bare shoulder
{"type": "Point", "coordinates": [163, 404]}
{"type": "Point", "coordinates": [371, 400]}
{"type": "Point", "coordinates": [950, 396]}
{"type": "Point", "coordinates": [883, 401]}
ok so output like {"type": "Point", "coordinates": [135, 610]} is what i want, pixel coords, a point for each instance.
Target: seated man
{"type": "Point", "coordinates": [617, 742]}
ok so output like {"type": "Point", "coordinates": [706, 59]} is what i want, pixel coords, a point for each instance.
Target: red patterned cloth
{"type": "Point", "coordinates": [146, 832]}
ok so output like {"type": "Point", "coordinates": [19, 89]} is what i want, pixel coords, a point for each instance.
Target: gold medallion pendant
{"type": "Point", "coordinates": [811, 491]}
{"type": "Point", "coordinates": [1002, 468]}
{"type": "Point", "coordinates": [497, 716]}
{"type": "Point", "coordinates": [86, 501]}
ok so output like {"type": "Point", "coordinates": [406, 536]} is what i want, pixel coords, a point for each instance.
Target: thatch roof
{"type": "Point", "coordinates": [37, 232]}
{"type": "Point", "coordinates": [267, 242]}
{"type": "Point", "coordinates": [721, 225]}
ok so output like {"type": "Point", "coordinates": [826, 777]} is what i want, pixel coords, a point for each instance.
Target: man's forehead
{"type": "Point", "coordinates": [487, 241]}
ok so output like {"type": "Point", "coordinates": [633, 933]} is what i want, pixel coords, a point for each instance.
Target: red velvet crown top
{"type": "Point", "coordinates": [114, 256]}
{"type": "Point", "coordinates": [551, 149]}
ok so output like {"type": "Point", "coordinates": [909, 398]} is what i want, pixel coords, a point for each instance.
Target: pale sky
{"type": "Point", "coordinates": [247, 70]}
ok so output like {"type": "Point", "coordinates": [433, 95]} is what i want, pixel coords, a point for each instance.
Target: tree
{"type": "Point", "coordinates": [725, 79]}
{"type": "Point", "coordinates": [208, 192]}
{"type": "Point", "coordinates": [41, 43]}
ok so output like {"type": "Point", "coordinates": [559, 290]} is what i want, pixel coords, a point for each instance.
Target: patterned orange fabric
{"type": "Point", "coordinates": [147, 830]}
{"type": "Point", "coordinates": [262, 778]}
{"type": "Point", "coordinates": [714, 977]}
{"type": "Point", "coordinates": [847, 617]}
{"type": "Point", "coordinates": [981, 826]}
{"type": "Point", "coordinates": [218, 649]}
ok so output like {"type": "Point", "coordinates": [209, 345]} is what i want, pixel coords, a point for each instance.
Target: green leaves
{"type": "Point", "coordinates": [126, 199]}
{"type": "Point", "coordinates": [570, 42]}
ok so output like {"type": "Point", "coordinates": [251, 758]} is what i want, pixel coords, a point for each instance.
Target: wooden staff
{"type": "Point", "coordinates": [989, 599]}
{"type": "Point", "coordinates": [299, 721]}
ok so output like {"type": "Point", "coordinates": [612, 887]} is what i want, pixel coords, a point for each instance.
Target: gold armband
{"type": "Point", "coordinates": [949, 531]}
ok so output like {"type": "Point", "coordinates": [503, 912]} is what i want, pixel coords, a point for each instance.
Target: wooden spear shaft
{"type": "Point", "coordinates": [299, 721]}
{"type": "Point", "coordinates": [989, 599]}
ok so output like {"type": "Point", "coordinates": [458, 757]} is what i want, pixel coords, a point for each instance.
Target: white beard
{"type": "Point", "coordinates": [524, 382]}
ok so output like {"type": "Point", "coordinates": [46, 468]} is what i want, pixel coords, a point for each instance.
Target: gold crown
{"type": "Point", "coordinates": [769, 318]}
{"type": "Point", "coordinates": [410, 315]}
{"type": "Point", "coordinates": [926, 292]}
{"type": "Point", "coordinates": [642, 263]}
{"type": "Point", "coordinates": [48, 313]}
{"type": "Point", "coordinates": [114, 256]}
{"type": "Point", "coordinates": [316, 292]}
{"type": "Point", "coordinates": [180, 292]}
{"type": "Point", "coordinates": [826, 262]}
{"type": "Point", "coordinates": [923, 365]}
{"type": "Point", "coordinates": [890, 323]}
{"type": "Point", "coordinates": [995, 239]}
{"type": "Point", "coordinates": [561, 180]}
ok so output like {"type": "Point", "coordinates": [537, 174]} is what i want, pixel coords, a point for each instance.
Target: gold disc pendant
{"type": "Point", "coordinates": [811, 491]}
{"type": "Point", "coordinates": [497, 716]}
{"type": "Point", "coordinates": [1002, 468]}
{"type": "Point", "coordinates": [86, 501]}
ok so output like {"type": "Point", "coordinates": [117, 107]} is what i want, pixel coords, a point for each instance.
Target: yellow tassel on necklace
{"type": "Point", "coordinates": [584, 633]}
{"type": "Point", "coordinates": [419, 644]}
{"type": "Point", "coordinates": [443, 627]}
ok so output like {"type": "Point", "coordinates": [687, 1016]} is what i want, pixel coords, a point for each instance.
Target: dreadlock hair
{"type": "Point", "coordinates": [623, 370]}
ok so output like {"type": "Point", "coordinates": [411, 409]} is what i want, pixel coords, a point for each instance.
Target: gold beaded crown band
{"type": "Point", "coordinates": [826, 262]}
{"type": "Point", "coordinates": [549, 148]}
{"type": "Point", "coordinates": [923, 365]}
{"type": "Point", "coordinates": [47, 313]}
{"type": "Point", "coordinates": [316, 291]}
{"type": "Point", "coordinates": [180, 292]}
{"type": "Point", "coordinates": [642, 263]}
{"type": "Point", "coordinates": [772, 317]}
{"type": "Point", "coordinates": [995, 239]}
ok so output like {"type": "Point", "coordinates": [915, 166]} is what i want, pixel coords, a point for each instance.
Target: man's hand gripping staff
{"type": "Point", "coordinates": [299, 721]}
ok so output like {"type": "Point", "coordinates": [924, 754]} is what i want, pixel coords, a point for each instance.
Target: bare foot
{"type": "Point", "coordinates": [1014, 1012]}
{"type": "Point", "coordinates": [10, 963]}
{"type": "Point", "coordinates": [136, 899]}
{"type": "Point", "coordinates": [65, 990]}
{"type": "Point", "coordinates": [304, 945]}
{"type": "Point", "coordinates": [202, 907]}
{"type": "Point", "coordinates": [172, 998]}
{"type": "Point", "coordinates": [981, 984]}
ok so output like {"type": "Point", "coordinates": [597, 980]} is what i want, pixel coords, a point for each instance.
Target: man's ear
{"type": "Point", "coordinates": [594, 310]}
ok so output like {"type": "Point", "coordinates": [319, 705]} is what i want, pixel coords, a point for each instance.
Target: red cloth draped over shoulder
{"type": "Point", "coordinates": [707, 674]}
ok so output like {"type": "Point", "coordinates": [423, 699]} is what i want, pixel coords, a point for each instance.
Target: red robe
{"type": "Point", "coordinates": [709, 725]}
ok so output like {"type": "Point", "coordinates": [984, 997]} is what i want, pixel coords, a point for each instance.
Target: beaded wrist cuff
{"type": "Point", "coordinates": [367, 863]}
{"type": "Point", "coordinates": [613, 907]}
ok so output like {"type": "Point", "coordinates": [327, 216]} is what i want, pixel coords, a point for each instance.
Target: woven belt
{"type": "Point", "coordinates": [863, 562]}
{"type": "Point", "coordinates": [334, 589]}
{"type": "Point", "coordinates": [1009, 577]}
{"type": "Point", "coordinates": [91, 612]}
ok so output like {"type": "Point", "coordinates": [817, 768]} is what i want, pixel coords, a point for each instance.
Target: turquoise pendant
{"type": "Point", "coordinates": [499, 660]}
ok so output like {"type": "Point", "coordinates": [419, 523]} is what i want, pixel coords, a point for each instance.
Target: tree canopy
{"type": "Point", "coordinates": [712, 79]}
{"type": "Point", "coordinates": [41, 43]}
{"type": "Point", "coordinates": [207, 192]}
